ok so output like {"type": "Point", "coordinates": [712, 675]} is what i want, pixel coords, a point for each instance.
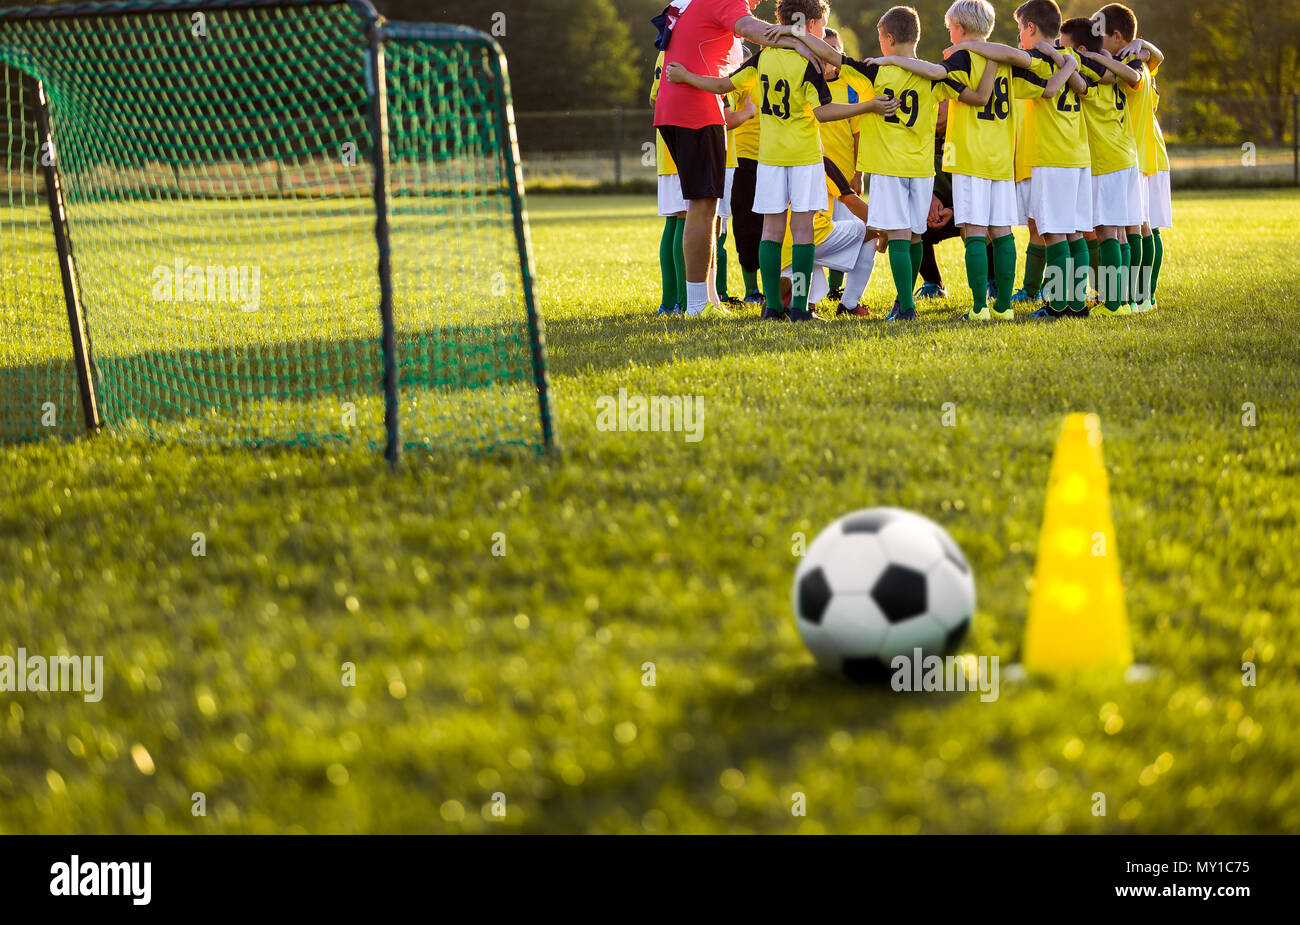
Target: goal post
{"type": "Point", "coordinates": [283, 222]}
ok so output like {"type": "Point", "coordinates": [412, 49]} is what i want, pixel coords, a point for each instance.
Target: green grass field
{"type": "Point", "coordinates": [522, 674]}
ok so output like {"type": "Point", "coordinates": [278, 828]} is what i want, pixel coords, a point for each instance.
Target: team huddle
{"type": "Point", "coordinates": [830, 161]}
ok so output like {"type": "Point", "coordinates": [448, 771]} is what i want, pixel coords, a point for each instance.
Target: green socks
{"type": "Point", "coordinates": [977, 271]}
{"type": "Point", "coordinates": [836, 280]}
{"type": "Point", "coordinates": [667, 265]}
{"type": "Point", "coordinates": [1004, 271]}
{"type": "Point", "coordinates": [751, 280]}
{"type": "Point", "coordinates": [1137, 283]}
{"type": "Point", "coordinates": [721, 276]}
{"type": "Point", "coordinates": [1078, 284]}
{"type": "Point", "coordinates": [1108, 281]}
{"type": "Point", "coordinates": [1035, 263]}
{"type": "Point", "coordinates": [1157, 257]}
{"type": "Point", "coordinates": [1056, 288]}
{"type": "Point", "coordinates": [917, 255]}
{"type": "Point", "coordinates": [1094, 256]}
{"type": "Point", "coordinates": [801, 268]}
{"type": "Point", "coordinates": [769, 268]}
{"type": "Point", "coordinates": [900, 265]}
{"type": "Point", "coordinates": [679, 260]}
{"type": "Point", "coordinates": [1126, 280]}
{"type": "Point", "coordinates": [1148, 259]}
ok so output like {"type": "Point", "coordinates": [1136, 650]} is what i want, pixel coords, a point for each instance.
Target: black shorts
{"type": "Point", "coordinates": [701, 158]}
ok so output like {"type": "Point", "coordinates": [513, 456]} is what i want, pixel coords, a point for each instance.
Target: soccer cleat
{"type": "Point", "coordinates": [993, 290]}
{"type": "Point", "coordinates": [897, 314]}
{"type": "Point", "coordinates": [931, 291]}
{"type": "Point", "coordinates": [669, 310]}
{"type": "Point", "coordinates": [732, 300]}
{"type": "Point", "coordinates": [835, 294]}
{"type": "Point", "coordinates": [1101, 311]}
{"type": "Point", "coordinates": [982, 314]}
{"type": "Point", "coordinates": [798, 315]}
{"type": "Point", "coordinates": [1021, 296]}
{"type": "Point", "coordinates": [860, 312]}
{"type": "Point", "coordinates": [1083, 313]}
{"type": "Point", "coordinates": [771, 315]}
{"type": "Point", "coordinates": [755, 298]}
{"type": "Point", "coordinates": [1008, 315]}
{"type": "Point", "coordinates": [712, 311]}
{"type": "Point", "coordinates": [1047, 313]}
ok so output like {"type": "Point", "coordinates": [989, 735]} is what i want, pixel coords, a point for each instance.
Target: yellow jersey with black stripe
{"type": "Point", "coordinates": [1023, 111]}
{"type": "Point", "coordinates": [837, 137]}
{"type": "Point", "coordinates": [1055, 133]}
{"type": "Point", "coordinates": [981, 141]}
{"type": "Point", "coordinates": [837, 187]}
{"type": "Point", "coordinates": [1106, 112]}
{"type": "Point", "coordinates": [901, 145]}
{"type": "Point", "coordinates": [663, 160]}
{"type": "Point", "coordinates": [787, 89]}
{"type": "Point", "coordinates": [1152, 154]}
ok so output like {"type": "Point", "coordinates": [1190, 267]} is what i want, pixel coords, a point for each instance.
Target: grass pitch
{"type": "Point", "coordinates": [522, 675]}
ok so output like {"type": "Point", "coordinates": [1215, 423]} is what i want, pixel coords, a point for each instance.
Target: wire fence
{"type": "Point", "coordinates": [1213, 141]}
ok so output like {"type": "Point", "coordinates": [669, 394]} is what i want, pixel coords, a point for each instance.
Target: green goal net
{"type": "Point", "coordinates": [249, 223]}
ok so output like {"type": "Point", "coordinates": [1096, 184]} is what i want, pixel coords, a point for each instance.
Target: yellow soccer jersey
{"type": "Point", "coordinates": [663, 159]}
{"type": "Point", "coordinates": [837, 187]}
{"type": "Point", "coordinates": [1024, 112]}
{"type": "Point", "coordinates": [981, 141]}
{"type": "Point", "coordinates": [901, 145]}
{"type": "Point", "coordinates": [789, 88]}
{"type": "Point", "coordinates": [1152, 154]}
{"type": "Point", "coordinates": [1055, 134]}
{"type": "Point", "coordinates": [1110, 138]}
{"type": "Point", "coordinates": [747, 135]}
{"type": "Point", "coordinates": [731, 133]}
{"type": "Point", "coordinates": [837, 137]}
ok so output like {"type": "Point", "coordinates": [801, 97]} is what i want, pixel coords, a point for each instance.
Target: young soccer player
{"type": "Point", "coordinates": [735, 114]}
{"type": "Point", "coordinates": [980, 155]}
{"type": "Point", "coordinates": [1116, 190]}
{"type": "Point", "coordinates": [898, 150]}
{"type": "Point", "coordinates": [791, 177]}
{"type": "Point", "coordinates": [840, 142]}
{"type": "Point", "coordinates": [1055, 138]}
{"type": "Point", "coordinates": [1119, 23]}
{"type": "Point", "coordinates": [842, 245]}
{"type": "Point", "coordinates": [672, 209]}
{"type": "Point", "coordinates": [747, 227]}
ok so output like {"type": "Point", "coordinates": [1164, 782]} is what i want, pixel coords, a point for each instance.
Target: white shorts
{"type": "Point", "coordinates": [1117, 198]}
{"type": "Point", "coordinates": [840, 212]}
{"type": "Point", "coordinates": [798, 189]}
{"type": "Point", "coordinates": [724, 204]}
{"type": "Point", "coordinates": [1023, 188]}
{"type": "Point", "coordinates": [899, 203]}
{"type": "Point", "coordinates": [1161, 210]}
{"type": "Point", "coordinates": [838, 252]}
{"type": "Point", "coordinates": [977, 201]}
{"type": "Point", "coordinates": [1060, 199]}
{"type": "Point", "coordinates": [1144, 194]}
{"type": "Point", "coordinates": [670, 196]}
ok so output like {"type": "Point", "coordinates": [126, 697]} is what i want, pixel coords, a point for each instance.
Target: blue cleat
{"type": "Point", "coordinates": [1021, 296]}
{"type": "Point", "coordinates": [897, 314]}
{"type": "Point", "coordinates": [669, 310]}
{"type": "Point", "coordinates": [755, 298]}
{"type": "Point", "coordinates": [993, 290]}
{"type": "Point", "coordinates": [931, 291]}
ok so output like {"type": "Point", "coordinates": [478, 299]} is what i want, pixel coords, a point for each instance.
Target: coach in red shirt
{"type": "Point", "coordinates": [692, 125]}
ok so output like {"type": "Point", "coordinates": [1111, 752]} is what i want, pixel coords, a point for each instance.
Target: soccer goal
{"type": "Point", "coordinates": [263, 222]}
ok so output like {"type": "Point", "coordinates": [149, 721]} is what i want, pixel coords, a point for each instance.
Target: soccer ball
{"type": "Point", "coordinates": [881, 583]}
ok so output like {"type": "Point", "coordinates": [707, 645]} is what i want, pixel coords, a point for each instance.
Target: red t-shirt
{"type": "Point", "coordinates": [701, 41]}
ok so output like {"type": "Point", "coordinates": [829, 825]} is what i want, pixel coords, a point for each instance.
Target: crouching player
{"type": "Point", "coordinates": [842, 245]}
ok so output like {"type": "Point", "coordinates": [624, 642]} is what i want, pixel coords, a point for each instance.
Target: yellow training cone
{"type": "Point", "coordinates": [1076, 611]}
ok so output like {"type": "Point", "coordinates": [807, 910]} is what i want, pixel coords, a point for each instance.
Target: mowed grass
{"type": "Point", "coordinates": [521, 678]}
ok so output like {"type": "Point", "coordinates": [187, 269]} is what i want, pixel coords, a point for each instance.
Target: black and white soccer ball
{"type": "Point", "coordinates": [882, 583]}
